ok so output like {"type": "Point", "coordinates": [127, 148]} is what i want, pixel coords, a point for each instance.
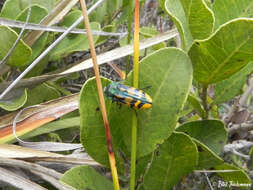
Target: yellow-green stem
{"type": "Point", "coordinates": [101, 98]}
{"type": "Point", "coordinates": [135, 84]}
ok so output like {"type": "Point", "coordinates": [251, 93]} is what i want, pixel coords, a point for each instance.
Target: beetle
{"type": "Point", "coordinates": [130, 96]}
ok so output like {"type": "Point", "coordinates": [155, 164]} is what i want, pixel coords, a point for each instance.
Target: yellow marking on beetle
{"type": "Point", "coordinates": [146, 106]}
{"type": "Point", "coordinates": [137, 103]}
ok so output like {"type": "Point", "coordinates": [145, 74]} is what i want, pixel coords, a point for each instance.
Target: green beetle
{"type": "Point", "coordinates": [132, 97]}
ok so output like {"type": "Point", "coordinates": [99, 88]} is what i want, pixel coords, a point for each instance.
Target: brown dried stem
{"type": "Point", "coordinates": [101, 97]}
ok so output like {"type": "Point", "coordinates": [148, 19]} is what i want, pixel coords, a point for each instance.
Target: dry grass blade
{"type": "Point", "coordinates": [122, 51]}
{"type": "Point", "coordinates": [18, 181]}
{"type": "Point", "coordinates": [54, 16]}
{"type": "Point", "coordinates": [101, 98]}
{"type": "Point", "coordinates": [48, 146]}
{"type": "Point", "coordinates": [45, 113]}
{"type": "Point", "coordinates": [30, 26]}
{"type": "Point", "coordinates": [28, 154]}
{"type": "Point", "coordinates": [47, 174]}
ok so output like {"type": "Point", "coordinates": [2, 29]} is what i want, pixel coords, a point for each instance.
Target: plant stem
{"type": "Point", "coordinates": [129, 28]}
{"type": "Point", "coordinates": [133, 151]}
{"type": "Point", "coordinates": [101, 98]}
{"type": "Point", "coordinates": [204, 100]}
{"type": "Point", "coordinates": [135, 84]}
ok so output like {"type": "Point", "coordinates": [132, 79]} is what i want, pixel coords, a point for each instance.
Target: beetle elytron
{"type": "Point", "coordinates": [130, 96]}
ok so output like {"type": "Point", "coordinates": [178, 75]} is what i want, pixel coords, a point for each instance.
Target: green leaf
{"type": "Point", "coordinates": [41, 93]}
{"type": "Point", "coordinates": [195, 103]}
{"type": "Point", "coordinates": [148, 32]}
{"type": "Point", "coordinates": [226, 10]}
{"type": "Point", "coordinates": [107, 28]}
{"type": "Point", "coordinates": [21, 53]}
{"type": "Point", "coordinates": [169, 95]}
{"type": "Point", "coordinates": [12, 8]}
{"type": "Point", "coordinates": [72, 43]}
{"type": "Point", "coordinates": [224, 53]}
{"type": "Point", "coordinates": [142, 165]}
{"type": "Point", "coordinates": [236, 177]}
{"type": "Point", "coordinates": [155, 124]}
{"type": "Point", "coordinates": [176, 157]}
{"type": "Point", "coordinates": [194, 20]}
{"type": "Point", "coordinates": [105, 12]}
{"type": "Point", "coordinates": [92, 132]}
{"type": "Point", "coordinates": [229, 88]}
{"type": "Point", "coordinates": [207, 158]}
{"type": "Point", "coordinates": [86, 178]}
{"type": "Point", "coordinates": [69, 19]}
{"type": "Point", "coordinates": [14, 100]}
{"type": "Point", "coordinates": [37, 14]}
{"type": "Point", "coordinates": [212, 133]}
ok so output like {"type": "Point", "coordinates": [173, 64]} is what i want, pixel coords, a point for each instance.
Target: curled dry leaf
{"type": "Point", "coordinates": [32, 119]}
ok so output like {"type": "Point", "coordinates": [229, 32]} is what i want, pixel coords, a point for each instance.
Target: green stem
{"type": "Point", "coordinates": [133, 151]}
{"type": "Point", "coordinates": [135, 84]}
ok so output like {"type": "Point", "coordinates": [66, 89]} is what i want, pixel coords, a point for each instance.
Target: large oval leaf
{"type": "Point", "coordinates": [176, 157]}
{"type": "Point", "coordinates": [225, 10]}
{"type": "Point", "coordinates": [169, 73]}
{"type": "Point", "coordinates": [229, 88]}
{"type": "Point", "coordinates": [14, 100]}
{"type": "Point", "coordinates": [37, 14]}
{"type": "Point", "coordinates": [207, 158]}
{"type": "Point", "coordinates": [84, 178]}
{"type": "Point", "coordinates": [235, 179]}
{"type": "Point", "coordinates": [21, 53]}
{"type": "Point", "coordinates": [12, 8]}
{"type": "Point", "coordinates": [193, 19]}
{"type": "Point", "coordinates": [210, 132]}
{"type": "Point", "coordinates": [154, 125]}
{"type": "Point", "coordinates": [224, 53]}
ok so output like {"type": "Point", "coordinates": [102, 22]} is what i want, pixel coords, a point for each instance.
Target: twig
{"type": "Point", "coordinates": [5, 59]}
{"type": "Point", "coordinates": [238, 145]}
{"type": "Point", "coordinates": [215, 171]}
{"type": "Point", "coordinates": [101, 98]}
{"type": "Point", "coordinates": [208, 181]}
{"type": "Point", "coordinates": [246, 94]}
{"type": "Point", "coordinates": [242, 127]}
{"type": "Point", "coordinates": [37, 60]}
{"type": "Point", "coordinates": [241, 103]}
{"type": "Point", "coordinates": [30, 26]}
{"type": "Point", "coordinates": [246, 157]}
